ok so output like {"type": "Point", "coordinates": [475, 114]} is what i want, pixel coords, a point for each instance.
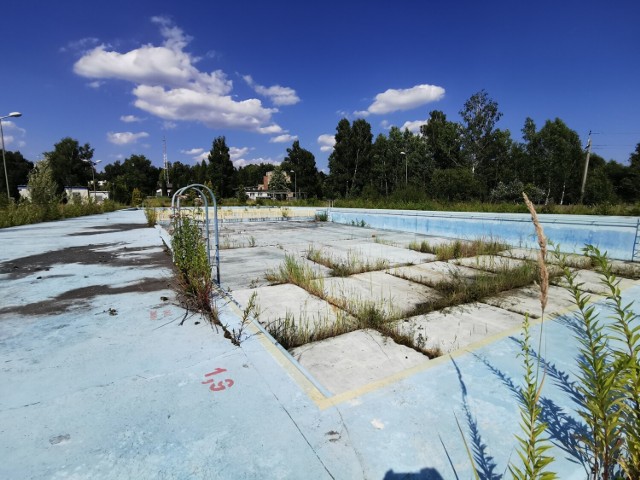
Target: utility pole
{"type": "Point", "coordinates": [586, 168]}
{"type": "Point", "coordinates": [166, 165]}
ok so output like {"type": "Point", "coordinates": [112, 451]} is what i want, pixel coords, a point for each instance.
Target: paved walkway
{"type": "Point", "coordinates": [103, 375]}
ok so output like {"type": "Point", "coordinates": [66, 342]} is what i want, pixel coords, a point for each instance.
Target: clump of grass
{"type": "Point", "coordinates": [458, 290]}
{"type": "Point", "coordinates": [341, 268]}
{"type": "Point", "coordinates": [298, 273]}
{"type": "Point", "coordinates": [459, 248]}
{"type": "Point", "coordinates": [322, 216]}
{"type": "Point", "coordinates": [152, 216]}
{"type": "Point", "coordinates": [292, 333]}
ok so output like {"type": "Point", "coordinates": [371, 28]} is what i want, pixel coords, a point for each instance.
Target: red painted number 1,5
{"type": "Point", "coordinates": [217, 386]}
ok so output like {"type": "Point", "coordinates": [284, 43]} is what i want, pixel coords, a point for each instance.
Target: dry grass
{"type": "Point", "coordinates": [459, 248]}
{"type": "Point", "coordinates": [354, 264]}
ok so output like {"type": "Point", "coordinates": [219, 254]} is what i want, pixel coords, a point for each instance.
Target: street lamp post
{"type": "Point", "coordinates": [295, 184]}
{"type": "Point", "coordinates": [4, 160]}
{"type": "Point", "coordinates": [93, 172]}
{"type": "Point", "coordinates": [406, 169]}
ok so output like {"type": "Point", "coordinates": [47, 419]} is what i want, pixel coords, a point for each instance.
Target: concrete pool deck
{"type": "Point", "coordinates": [105, 375]}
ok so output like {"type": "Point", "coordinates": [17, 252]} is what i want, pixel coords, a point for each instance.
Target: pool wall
{"type": "Point", "coordinates": [618, 236]}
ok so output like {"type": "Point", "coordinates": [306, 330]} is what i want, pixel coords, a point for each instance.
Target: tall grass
{"type": "Point", "coordinates": [25, 213]}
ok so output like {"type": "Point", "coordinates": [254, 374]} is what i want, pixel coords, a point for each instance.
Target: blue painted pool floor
{"type": "Point", "coordinates": [107, 376]}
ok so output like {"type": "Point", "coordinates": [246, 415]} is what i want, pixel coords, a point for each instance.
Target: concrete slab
{"type": "Point", "coordinates": [246, 267]}
{"type": "Point", "coordinates": [433, 272]}
{"type": "Point", "coordinates": [394, 296]}
{"type": "Point", "coordinates": [355, 359]}
{"type": "Point", "coordinates": [592, 282]}
{"type": "Point", "coordinates": [527, 300]}
{"type": "Point", "coordinates": [573, 260]}
{"type": "Point", "coordinates": [458, 327]}
{"type": "Point", "coordinates": [489, 263]}
{"type": "Point", "coordinates": [275, 303]}
{"type": "Point", "coordinates": [374, 252]}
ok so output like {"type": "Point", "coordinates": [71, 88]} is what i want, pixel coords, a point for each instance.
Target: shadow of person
{"type": "Point", "coordinates": [423, 474]}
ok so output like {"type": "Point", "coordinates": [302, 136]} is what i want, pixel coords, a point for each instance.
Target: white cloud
{"type": "Point", "coordinates": [413, 126]}
{"type": "Point", "coordinates": [393, 100]}
{"type": "Point", "coordinates": [125, 138]}
{"type": "Point", "coordinates": [80, 45]}
{"type": "Point", "coordinates": [168, 125]}
{"type": "Point", "coordinates": [277, 94]}
{"type": "Point", "coordinates": [95, 84]}
{"type": "Point", "coordinates": [193, 151]}
{"type": "Point", "coordinates": [169, 86]}
{"type": "Point", "coordinates": [130, 118]}
{"type": "Point", "coordinates": [13, 134]}
{"type": "Point", "coordinates": [241, 162]}
{"type": "Point", "coordinates": [326, 142]}
{"type": "Point", "coordinates": [283, 138]}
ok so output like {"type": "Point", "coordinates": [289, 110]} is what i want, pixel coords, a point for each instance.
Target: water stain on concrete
{"type": "Point", "coordinates": [100, 229]}
{"type": "Point", "coordinates": [104, 253]}
{"type": "Point", "coordinates": [82, 297]}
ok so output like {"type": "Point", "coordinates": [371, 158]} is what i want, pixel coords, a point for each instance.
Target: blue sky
{"type": "Point", "coordinates": [123, 75]}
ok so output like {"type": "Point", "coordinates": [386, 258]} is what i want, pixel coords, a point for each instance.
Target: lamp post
{"type": "Point", "coordinates": [295, 184]}
{"type": "Point", "coordinates": [4, 160]}
{"type": "Point", "coordinates": [93, 172]}
{"type": "Point", "coordinates": [406, 169]}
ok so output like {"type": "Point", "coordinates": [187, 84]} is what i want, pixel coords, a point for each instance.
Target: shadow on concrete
{"type": "Point", "coordinates": [563, 429]}
{"type": "Point", "coordinates": [483, 462]}
{"type": "Point", "coordinates": [423, 474]}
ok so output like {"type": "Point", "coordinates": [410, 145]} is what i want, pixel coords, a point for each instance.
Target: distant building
{"type": "Point", "coordinates": [75, 194]}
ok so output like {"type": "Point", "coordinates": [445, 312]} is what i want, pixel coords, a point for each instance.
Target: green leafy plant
{"type": "Point", "coordinates": [191, 259]}
{"type": "Point", "coordinates": [533, 446]}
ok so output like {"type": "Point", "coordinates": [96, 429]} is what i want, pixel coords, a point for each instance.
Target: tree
{"type": "Point", "coordinates": [42, 186]}
{"type": "Point", "coordinates": [18, 169]}
{"type": "Point", "coordinates": [70, 163]}
{"type": "Point", "coordinates": [181, 175]}
{"type": "Point", "coordinates": [559, 157]}
{"type": "Point", "coordinates": [456, 184]}
{"type": "Point", "coordinates": [303, 163]}
{"type": "Point", "coordinates": [220, 169]}
{"type": "Point", "coordinates": [278, 181]}
{"type": "Point", "coordinates": [351, 160]}
{"type": "Point", "coordinates": [443, 140]}
{"type": "Point", "coordinates": [479, 115]}
{"type": "Point", "coordinates": [135, 172]}
{"type": "Point", "coordinates": [253, 174]}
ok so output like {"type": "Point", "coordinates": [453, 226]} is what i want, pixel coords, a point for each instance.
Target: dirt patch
{"type": "Point", "coordinates": [105, 253]}
{"type": "Point", "coordinates": [82, 297]}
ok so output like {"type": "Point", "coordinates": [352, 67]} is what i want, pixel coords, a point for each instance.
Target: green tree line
{"type": "Point", "coordinates": [451, 161]}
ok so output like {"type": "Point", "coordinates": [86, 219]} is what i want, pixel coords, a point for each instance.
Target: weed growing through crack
{"type": "Point", "coordinates": [343, 268]}
{"type": "Point", "coordinates": [291, 332]}
{"type": "Point", "coordinates": [298, 273]}
{"type": "Point", "coordinates": [459, 248]}
{"type": "Point", "coordinates": [250, 312]}
{"type": "Point", "coordinates": [322, 216]}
